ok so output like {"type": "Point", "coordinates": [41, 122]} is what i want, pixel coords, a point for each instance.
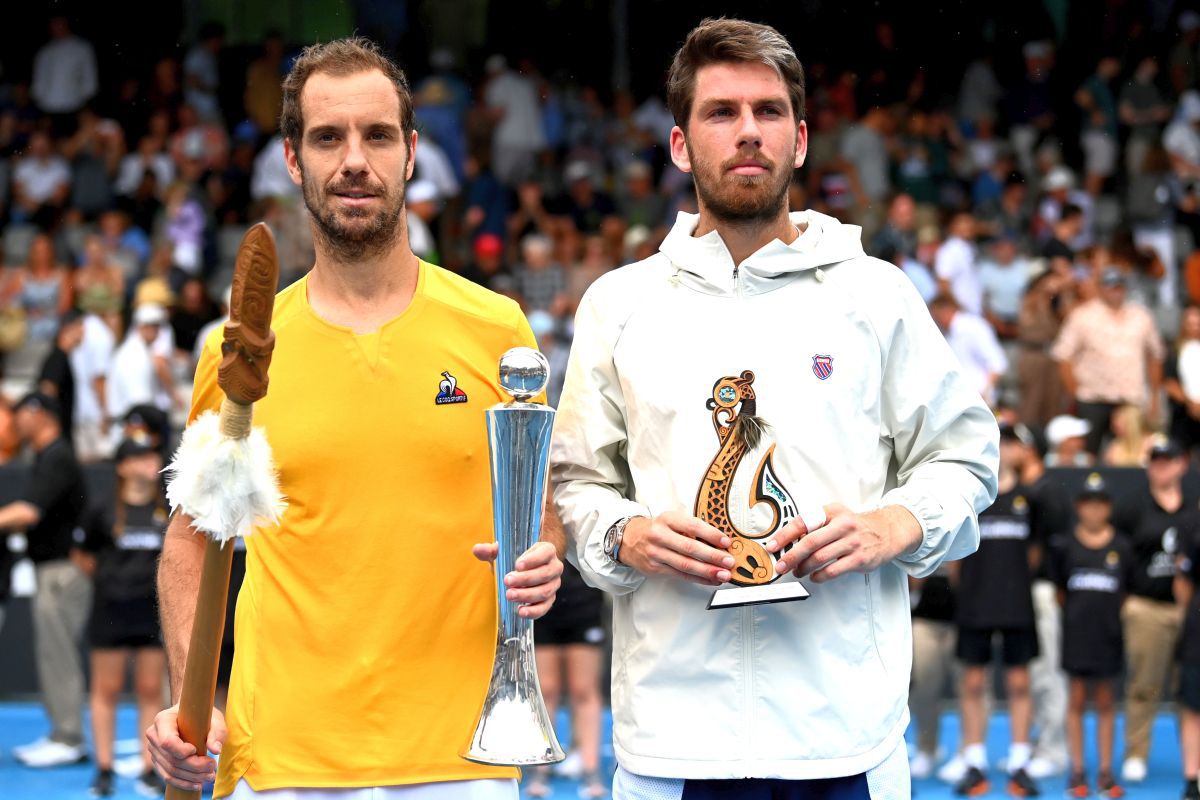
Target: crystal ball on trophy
{"type": "Point", "coordinates": [524, 373]}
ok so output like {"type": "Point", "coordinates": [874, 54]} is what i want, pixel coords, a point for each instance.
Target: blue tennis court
{"type": "Point", "coordinates": [23, 722]}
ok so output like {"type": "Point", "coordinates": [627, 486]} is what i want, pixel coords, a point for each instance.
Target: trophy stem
{"type": "Point", "coordinates": [514, 727]}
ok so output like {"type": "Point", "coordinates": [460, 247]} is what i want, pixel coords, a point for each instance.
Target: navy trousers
{"type": "Point", "coordinates": [852, 788]}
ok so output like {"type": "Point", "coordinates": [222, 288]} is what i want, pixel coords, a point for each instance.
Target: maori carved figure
{"type": "Point", "coordinates": [739, 431]}
{"type": "Point", "coordinates": [249, 340]}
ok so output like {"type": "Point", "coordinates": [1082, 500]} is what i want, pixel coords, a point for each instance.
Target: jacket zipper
{"type": "Point", "coordinates": [748, 682]}
{"type": "Point", "coordinates": [737, 289]}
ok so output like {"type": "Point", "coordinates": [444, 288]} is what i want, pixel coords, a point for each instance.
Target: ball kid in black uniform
{"type": "Point", "coordinates": [1164, 520]}
{"type": "Point", "coordinates": [1186, 582]}
{"type": "Point", "coordinates": [1092, 567]}
{"type": "Point", "coordinates": [995, 598]}
{"type": "Point", "coordinates": [122, 540]}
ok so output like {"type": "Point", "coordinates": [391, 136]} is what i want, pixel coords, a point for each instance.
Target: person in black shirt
{"type": "Point", "coordinates": [995, 597]}
{"type": "Point", "coordinates": [1167, 519]}
{"type": "Point", "coordinates": [48, 513]}
{"type": "Point", "coordinates": [122, 541]}
{"type": "Point", "coordinates": [1092, 568]}
{"type": "Point", "coordinates": [57, 379]}
{"type": "Point", "coordinates": [1186, 581]}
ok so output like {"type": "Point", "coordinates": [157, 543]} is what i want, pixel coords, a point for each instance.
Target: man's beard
{"type": "Point", "coordinates": [354, 234]}
{"type": "Point", "coordinates": [741, 199]}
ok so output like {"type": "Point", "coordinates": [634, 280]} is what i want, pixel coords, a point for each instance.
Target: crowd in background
{"type": "Point", "coordinates": [1051, 224]}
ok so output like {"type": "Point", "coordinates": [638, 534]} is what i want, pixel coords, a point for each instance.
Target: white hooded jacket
{"type": "Point", "coordinates": [807, 689]}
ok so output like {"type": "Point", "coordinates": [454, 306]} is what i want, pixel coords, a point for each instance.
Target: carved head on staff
{"type": "Point", "coordinates": [249, 340]}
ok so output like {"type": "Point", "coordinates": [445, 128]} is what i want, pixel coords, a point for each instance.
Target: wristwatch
{"type": "Point", "coordinates": [613, 538]}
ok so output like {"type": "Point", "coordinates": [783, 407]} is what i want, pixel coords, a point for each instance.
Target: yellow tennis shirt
{"type": "Point", "coordinates": [365, 628]}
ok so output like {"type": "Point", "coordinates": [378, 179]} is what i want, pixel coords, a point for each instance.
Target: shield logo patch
{"type": "Point", "coordinates": [822, 366]}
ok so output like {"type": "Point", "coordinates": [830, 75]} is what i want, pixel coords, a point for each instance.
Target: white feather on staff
{"type": "Point", "coordinates": [229, 486]}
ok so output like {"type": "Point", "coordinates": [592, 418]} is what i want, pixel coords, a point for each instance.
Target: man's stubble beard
{"type": "Point", "coordinates": [359, 243]}
{"type": "Point", "coordinates": [741, 199]}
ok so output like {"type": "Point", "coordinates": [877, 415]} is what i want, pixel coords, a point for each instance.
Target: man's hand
{"type": "Point", "coordinates": [677, 545]}
{"type": "Point", "coordinates": [847, 542]}
{"type": "Point", "coordinates": [177, 761]}
{"type": "Point", "coordinates": [535, 581]}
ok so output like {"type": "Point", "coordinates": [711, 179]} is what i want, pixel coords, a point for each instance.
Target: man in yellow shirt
{"type": "Point", "coordinates": [364, 628]}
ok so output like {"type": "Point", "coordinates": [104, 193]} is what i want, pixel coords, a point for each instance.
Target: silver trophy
{"type": "Point", "coordinates": [514, 728]}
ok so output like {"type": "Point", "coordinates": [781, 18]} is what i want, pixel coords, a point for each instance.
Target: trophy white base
{"type": "Point", "coordinates": [779, 592]}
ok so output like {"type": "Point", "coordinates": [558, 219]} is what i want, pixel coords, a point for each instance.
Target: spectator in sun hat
{"type": "Point", "coordinates": [1066, 439]}
{"type": "Point", "coordinates": [1060, 190]}
{"type": "Point", "coordinates": [137, 374]}
{"type": "Point", "coordinates": [422, 201]}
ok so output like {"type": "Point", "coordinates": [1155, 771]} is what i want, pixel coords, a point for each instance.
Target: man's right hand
{"type": "Point", "coordinates": [177, 761]}
{"type": "Point", "coordinates": [677, 545]}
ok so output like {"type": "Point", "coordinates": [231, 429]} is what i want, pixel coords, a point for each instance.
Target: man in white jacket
{"type": "Point", "coordinates": [873, 437]}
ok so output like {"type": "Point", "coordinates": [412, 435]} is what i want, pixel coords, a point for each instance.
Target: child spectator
{"type": "Point", "coordinates": [1092, 567]}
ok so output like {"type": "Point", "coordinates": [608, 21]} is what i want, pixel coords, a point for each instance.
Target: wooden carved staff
{"type": "Point", "coordinates": [223, 475]}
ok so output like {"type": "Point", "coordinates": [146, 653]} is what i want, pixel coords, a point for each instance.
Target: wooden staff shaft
{"type": "Point", "coordinates": [208, 626]}
{"type": "Point", "coordinates": [204, 654]}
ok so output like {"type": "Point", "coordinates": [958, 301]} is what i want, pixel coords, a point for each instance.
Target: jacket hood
{"type": "Point", "coordinates": [705, 263]}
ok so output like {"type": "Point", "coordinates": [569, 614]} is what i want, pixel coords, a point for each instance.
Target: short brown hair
{"type": "Point", "coordinates": [340, 57]}
{"type": "Point", "coordinates": [723, 40]}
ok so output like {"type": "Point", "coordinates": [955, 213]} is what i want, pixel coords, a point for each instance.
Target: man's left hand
{"type": "Point", "coordinates": [535, 581]}
{"type": "Point", "coordinates": [847, 542]}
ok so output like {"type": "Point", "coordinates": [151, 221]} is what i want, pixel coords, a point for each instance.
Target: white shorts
{"type": "Point", "coordinates": [1099, 153]}
{"type": "Point", "coordinates": [491, 789]}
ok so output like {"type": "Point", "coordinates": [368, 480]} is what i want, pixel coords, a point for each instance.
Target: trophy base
{"type": "Point", "coordinates": [736, 596]}
{"type": "Point", "coordinates": [510, 760]}
{"type": "Point", "coordinates": [514, 728]}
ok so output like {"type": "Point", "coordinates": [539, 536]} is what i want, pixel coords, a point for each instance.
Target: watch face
{"type": "Point", "coordinates": [610, 537]}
